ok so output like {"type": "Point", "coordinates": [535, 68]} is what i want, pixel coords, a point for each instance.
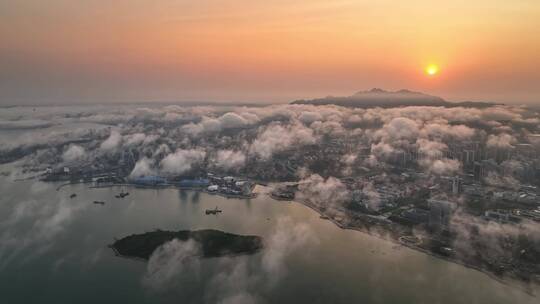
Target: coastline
{"type": "Point", "coordinates": [168, 186]}
{"type": "Point", "coordinates": [491, 275]}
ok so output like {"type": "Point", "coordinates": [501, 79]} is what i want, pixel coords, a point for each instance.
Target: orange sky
{"type": "Point", "coordinates": [62, 51]}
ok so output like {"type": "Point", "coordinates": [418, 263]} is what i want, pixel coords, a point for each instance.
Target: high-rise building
{"type": "Point", "coordinates": [456, 185]}
{"type": "Point", "coordinates": [440, 212]}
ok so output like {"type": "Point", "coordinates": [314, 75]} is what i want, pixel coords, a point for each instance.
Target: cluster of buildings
{"type": "Point", "coordinates": [513, 216]}
{"type": "Point", "coordinates": [400, 189]}
{"type": "Point", "coordinates": [410, 198]}
{"type": "Point", "coordinates": [230, 186]}
{"type": "Point", "coordinates": [436, 218]}
{"type": "Point", "coordinates": [227, 185]}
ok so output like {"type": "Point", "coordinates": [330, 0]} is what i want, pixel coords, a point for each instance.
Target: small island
{"type": "Point", "coordinates": [213, 243]}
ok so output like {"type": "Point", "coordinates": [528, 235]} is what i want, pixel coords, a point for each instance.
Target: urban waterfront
{"type": "Point", "coordinates": [49, 239]}
{"type": "Point", "coordinates": [235, 152]}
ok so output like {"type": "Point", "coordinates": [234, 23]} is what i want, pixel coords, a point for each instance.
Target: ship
{"type": "Point", "coordinates": [122, 194]}
{"type": "Point", "coordinates": [213, 211]}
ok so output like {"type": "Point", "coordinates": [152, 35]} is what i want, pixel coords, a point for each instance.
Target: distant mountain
{"type": "Point", "coordinates": [387, 99]}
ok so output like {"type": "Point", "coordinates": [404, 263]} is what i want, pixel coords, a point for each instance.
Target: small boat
{"type": "Point", "coordinates": [73, 195]}
{"type": "Point", "coordinates": [214, 211]}
{"type": "Point", "coordinates": [122, 194]}
{"type": "Point", "coordinates": [99, 202]}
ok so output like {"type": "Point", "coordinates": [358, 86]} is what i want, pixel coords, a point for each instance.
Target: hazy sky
{"type": "Point", "coordinates": [68, 51]}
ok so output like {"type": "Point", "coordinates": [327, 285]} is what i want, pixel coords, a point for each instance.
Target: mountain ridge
{"type": "Point", "coordinates": [377, 97]}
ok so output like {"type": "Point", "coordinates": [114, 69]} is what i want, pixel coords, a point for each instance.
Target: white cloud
{"type": "Point", "coordinates": [230, 159]}
{"type": "Point", "coordinates": [169, 262]}
{"type": "Point", "coordinates": [182, 161]}
{"type": "Point", "coordinates": [503, 141]}
{"type": "Point", "coordinates": [143, 167]}
{"type": "Point", "coordinates": [113, 142]}
{"type": "Point", "coordinates": [277, 137]}
{"type": "Point", "coordinates": [74, 153]}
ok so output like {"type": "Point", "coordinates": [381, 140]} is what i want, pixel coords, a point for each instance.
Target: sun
{"type": "Point", "coordinates": [432, 70]}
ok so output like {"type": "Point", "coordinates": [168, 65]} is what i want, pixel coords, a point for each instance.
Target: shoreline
{"type": "Point", "coordinates": [168, 186]}
{"type": "Point", "coordinates": [493, 276]}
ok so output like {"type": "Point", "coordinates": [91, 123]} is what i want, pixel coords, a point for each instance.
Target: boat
{"type": "Point", "coordinates": [122, 194]}
{"type": "Point", "coordinates": [73, 195]}
{"type": "Point", "coordinates": [214, 211]}
{"type": "Point", "coordinates": [99, 202]}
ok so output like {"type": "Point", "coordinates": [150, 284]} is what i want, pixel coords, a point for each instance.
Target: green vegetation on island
{"type": "Point", "coordinates": [213, 243]}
